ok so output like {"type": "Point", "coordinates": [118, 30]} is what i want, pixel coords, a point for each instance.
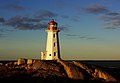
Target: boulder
{"type": "Point", "coordinates": [73, 72]}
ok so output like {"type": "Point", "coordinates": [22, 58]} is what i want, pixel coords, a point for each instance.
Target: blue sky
{"type": "Point", "coordinates": [90, 29]}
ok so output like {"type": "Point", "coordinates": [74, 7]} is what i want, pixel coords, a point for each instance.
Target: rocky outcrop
{"type": "Point", "coordinates": [83, 66]}
{"type": "Point", "coordinates": [49, 69]}
{"type": "Point", "coordinates": [99, 73]}
{"type": "Point", "coordinates": [73, 71]}
{"type": "Point", "coordinates": [57, 70]}
{"type": "Point", "coordinates": [96, 72]}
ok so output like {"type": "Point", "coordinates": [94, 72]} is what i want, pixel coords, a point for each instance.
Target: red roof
{"type": "Point", "coordinates": [52, 22]}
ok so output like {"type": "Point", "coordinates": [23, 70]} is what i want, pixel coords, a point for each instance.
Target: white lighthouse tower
{"type": "Point", "coordinates": [52, 47]}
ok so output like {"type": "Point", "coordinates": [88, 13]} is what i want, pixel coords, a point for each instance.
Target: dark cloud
{"type": "Point", "coordinates": [64, 28]}
{"type": "Point", "coordinates": [112, 13]}
{"type": "Point", "coordinates": [45, 14]}
{"type": "Point", "coordinates": [35, 22]}
{"type": "Point", "coordinates": [110, 27]}
{"type": "Point", "coordinates": [40, 26]}
{"type": "Point", "coordinates": [65, 16]}
{"type": "Point", "coordinates": [87, 37]}
{"type": "Point", "coordinates": [71, 35]}
{"type": "Point", "coordinates": [72, 18]}
{"type": "Point", "coordinates": [2, 20]}
{"type": "Point", "coordinates": [111, 20]}
{"type": "Point", "coordinates": [17, 20]}
{"type": "Point", "coordinates": [111, 16]}
{"type": "Point", "coordinates": [23, 23]}
{"type": "Point", "coordinates": [24, 26]}
{"type": "Point", "coordinates": [31, 26]}
{"type": "Point", "coordinates": [14, 21]}
{"type": "Point", "coordinates": [95, 9]}
{"type": "Point", "coordinates": [15, 7]}
{"type": "Point", "coordinates": [81, 37]}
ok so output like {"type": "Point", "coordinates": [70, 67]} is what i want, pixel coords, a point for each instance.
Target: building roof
{"type": "Point", "coordinates": [52, 22]}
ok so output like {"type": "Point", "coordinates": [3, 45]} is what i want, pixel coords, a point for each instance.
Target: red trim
{"type": "Point", "coordinates": [52, 22]}
{"type": "Point", "coordinates": [48, 28]}
{"type": "Point", "coordinates": [54, 28]}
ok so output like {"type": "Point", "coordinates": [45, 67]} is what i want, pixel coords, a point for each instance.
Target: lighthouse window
{"type": "Point", "coordinates": [54, 35]}
{"type": "Point", "coordinates": [54, 53]}
{"type": "Point", "coordinates": [54, 44]}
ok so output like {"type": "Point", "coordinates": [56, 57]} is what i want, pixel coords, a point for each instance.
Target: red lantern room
{"type": "Point", "coordinates": [52, 25]}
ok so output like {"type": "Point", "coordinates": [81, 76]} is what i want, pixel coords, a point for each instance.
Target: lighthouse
{"type": "Point", "coordinates": [52, 46]}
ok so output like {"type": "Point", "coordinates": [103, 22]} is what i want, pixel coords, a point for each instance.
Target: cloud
{"type": "Point", "coordinates": [65, 16]}
{"type": "Point", "coordinates": [95, 9]}
{"type": "Point", "coordinates": [23, 23]}
{"type": "Point", "coordinates": [14, 21]}
{"type": "Point", "coordinates": [45, 14]}
{"type": "Point", "coordinates": [17, 20]}
{"type": "Point", "coordinates": [110, 16]}
{"type": "Point", "coordinates": [87, 37]}
{"type": "Point", "coordinates": [15, 7]}
{"type": "Point", "coordinates": [111, 20]}
{"type": "Point", "coordinates": [35, 22]}
{"type": "Point", "coordinates": [81, 37]}
{"type": "Point", "coordinates": [109, 27]}
{"type": "Point", "coordinates": [64, 28]}
{"type": "Point", "coordinates": [71, 35]}
{"type": "Point", "coordinates": [112, 13]}
{"type": "Point", "coordinates": [31, 26]}
{"type": "Point", "coordinates": [40, 26]}
{"type": "Point", "coordinates": [72, 18]}
{"type": "Point", "coordinates": [2, 20]}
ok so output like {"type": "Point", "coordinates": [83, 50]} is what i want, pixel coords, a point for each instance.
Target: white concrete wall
{"type": "Point", "coordinates": [50, 48]}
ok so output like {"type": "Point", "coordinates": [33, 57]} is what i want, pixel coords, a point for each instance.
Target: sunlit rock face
{"type": "Point", "coordinates": [96, 72]}
{"type": "Point", "coordinates": [71, 69]}
{"type": "Point", "coordinates": [49, 69]}
{"type": "Point", "coordinates": [58, 70]}
{"type": "Point", "coordinates": [104, 75]}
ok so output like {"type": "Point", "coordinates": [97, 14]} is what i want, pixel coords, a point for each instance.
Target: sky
{"type": "Point", "coordinates": [89, 29]}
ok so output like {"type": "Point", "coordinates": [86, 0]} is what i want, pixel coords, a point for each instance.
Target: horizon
{"type": "Point", "coordinates": [89, 29]}
{"type": "Point", "coordinates": [102, 63]}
